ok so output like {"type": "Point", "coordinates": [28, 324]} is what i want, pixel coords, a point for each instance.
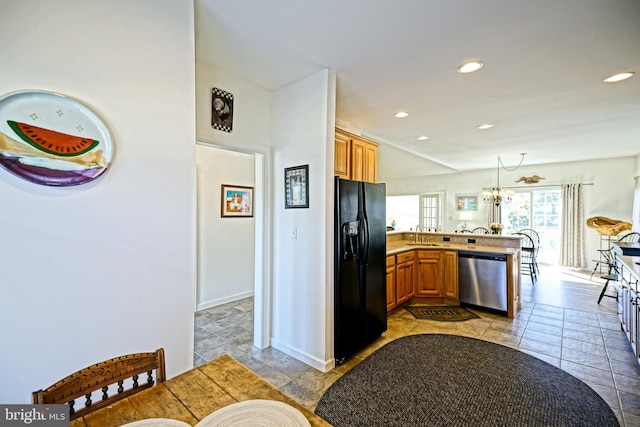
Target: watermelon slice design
{"type": "Point", "coordinates": [52, 142]}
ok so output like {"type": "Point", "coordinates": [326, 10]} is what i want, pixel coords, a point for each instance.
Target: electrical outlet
{"type": "Point", "coordinates": [446, 239]}
{"type": "Point", "coordinates": [471, 241]}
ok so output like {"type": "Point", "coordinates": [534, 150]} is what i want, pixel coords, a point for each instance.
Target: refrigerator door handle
{"type": "Point", "coordinates": [365, 240]}
{"type": "Point", "coordinates": [365, 224]}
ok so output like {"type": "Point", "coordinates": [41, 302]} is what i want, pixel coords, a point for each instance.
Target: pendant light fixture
{"type": "Point", "coordinates": [497, 195]}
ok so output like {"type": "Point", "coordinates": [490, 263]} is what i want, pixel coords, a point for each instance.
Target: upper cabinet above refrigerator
{"type": "Point", "coordinates": [355, 157]}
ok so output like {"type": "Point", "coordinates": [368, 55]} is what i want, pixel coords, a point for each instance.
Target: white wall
{"type": "Point", "coordinates": [302, 275]}
{"type": "Point", "coordinates": [252, 111]}
{"type": "Point", "coordinates": [225, 245]}
{"type": "Point", "coordinates": [105, 269]}
{"type": "Point", "coordinates": [610, 196]}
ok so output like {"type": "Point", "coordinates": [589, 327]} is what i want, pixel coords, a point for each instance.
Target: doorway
{"type": "Point", "coordinates": [231, 252]}
{"type": "Point", "coordinates": [541, 210]}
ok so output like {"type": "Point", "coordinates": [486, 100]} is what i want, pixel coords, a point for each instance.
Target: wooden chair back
{"type": "Point", "coordinates": [480, 230]}
{"type": "Point", "coordinates": [534, 236]}
{"type": "Point", "coordinates": [632, 237]}
{"type": "Point", "coordinates": [120, 373]}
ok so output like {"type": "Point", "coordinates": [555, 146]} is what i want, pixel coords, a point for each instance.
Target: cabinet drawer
{"type": "Point", "coordinates": [391, 261]}
{"type": "Point", "coordinates": [405, 256]}
{"type": "Point", "coordinates": [429, 254]}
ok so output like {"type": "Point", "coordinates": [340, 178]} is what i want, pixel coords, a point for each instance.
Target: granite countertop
{"type": "Point", "coordinates": [403, 246]}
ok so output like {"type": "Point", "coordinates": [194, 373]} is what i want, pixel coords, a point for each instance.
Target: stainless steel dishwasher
{"type": "Point", "coordinates": [482, 280]}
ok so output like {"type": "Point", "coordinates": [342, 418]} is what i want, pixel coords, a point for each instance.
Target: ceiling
{"type": "Point", "coordinates": [541, 85]}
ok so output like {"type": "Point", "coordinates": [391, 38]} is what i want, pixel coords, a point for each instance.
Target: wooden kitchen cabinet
{"type": "Point", "coordinates": [364, 164]}
{"type": "Point", "coordinates": [391, 282]}
{"type": "Point", "coordinates": [342, 155]}
{"type": "Point", "coordinates": [405, 277]}
{"type": "Point", "coordinates": [449, 261]}
{"type": "Point", "coordinates": [429, 275]}
{"type": "Point", "coordinates": [355, 157]}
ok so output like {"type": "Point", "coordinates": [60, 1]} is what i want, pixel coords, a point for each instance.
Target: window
{"type": "Point", "coordinates": [431, 211]}
{"type": "Point", "coordinates": [405, 212]}
{"type": "Point", "coordinates": [540, 210]}
{"type": "Point", "coordinates": [402, 212]}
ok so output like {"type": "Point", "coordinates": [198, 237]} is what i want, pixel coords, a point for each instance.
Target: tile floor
{"type": "Point", "coordinates": [589, 345]}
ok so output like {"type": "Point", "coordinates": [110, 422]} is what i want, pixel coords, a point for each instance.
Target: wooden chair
{"type": "Point", "coordinates": [632, 237]}
{"type": "Point", "coordinates": [607, 256]}
{"type": "Point", "coordinates": [480, 230]}
{"type": "Point", "coordinates": [608, 278]}
{"type": "Point", "coordinates": [535, 238]}
{"type": "Point", "coordinates": [527, 257]}
{"type": "Point", "coordinates": [118, 372]}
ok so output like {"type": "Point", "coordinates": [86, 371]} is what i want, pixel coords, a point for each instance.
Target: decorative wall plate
{"type": "Point", "coordinates": [50, 139]}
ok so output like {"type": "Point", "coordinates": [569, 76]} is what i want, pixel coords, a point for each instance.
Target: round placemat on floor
{"type": "Point", "coordinates": [157, 422]}
{"type": "Point", "coordinates": [258, 412]}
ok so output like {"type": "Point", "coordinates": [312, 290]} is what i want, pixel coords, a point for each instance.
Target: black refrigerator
{"type": "Point", "coordinates": [360, 290]}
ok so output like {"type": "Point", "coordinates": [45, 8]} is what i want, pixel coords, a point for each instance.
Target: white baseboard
{"type": "Point", "coordinates": [224, 300]}
{"type": "Point", "coordinates": [321, 365]}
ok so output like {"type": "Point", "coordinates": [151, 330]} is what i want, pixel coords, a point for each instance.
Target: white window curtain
{"type": "Point", "coordinates": [571, 240]}
{"type": "Point", "coordinates": [635, 216]}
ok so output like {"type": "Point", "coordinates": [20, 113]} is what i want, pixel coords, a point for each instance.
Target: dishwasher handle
{"type": "Point", "coordinates": [482, 255]}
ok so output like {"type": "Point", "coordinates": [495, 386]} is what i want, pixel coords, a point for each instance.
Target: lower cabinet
{"type": "Point", "coordinates": [429, 273]}
{"type": "Point", "coordinates": [628, 306]}
{"type": "Point", "coordinates": [391, 282]}
{"type": "Point", "coordinates": [421, 273]}
{"type": "Point", "coordinates": [449, 261]}
{"type": "Point", "coordinates": [405, 277]}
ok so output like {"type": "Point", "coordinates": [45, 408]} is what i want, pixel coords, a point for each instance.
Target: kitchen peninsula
{"type": "Point", "coordinates": [424, 267]}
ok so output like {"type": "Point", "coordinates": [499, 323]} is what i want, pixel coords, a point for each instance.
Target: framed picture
{"type": "Point", "coordinates": [296, 187]}
{"type": "Point", "coordinates": [221, 110]}
{"type": "Point", "coordinates": [237, 201]}
{"type": "Point", "coordinates": [466, 202]}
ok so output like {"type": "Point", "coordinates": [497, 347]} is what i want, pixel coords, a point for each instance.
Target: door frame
{"type": "Point", "coordinates": [262, 243]}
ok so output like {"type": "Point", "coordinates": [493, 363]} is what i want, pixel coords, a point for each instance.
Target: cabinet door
{"type": "Point", "coordinates": [632, 319]}
{"type": "Point", "coordinates": [450, 274]}
{"type": "Point", "coordinates": [624, 306]}
{"type": "Point", "coordinates": [391, 283]}
{"type": "Point", "coordinates": [358, 158]}
{"type": "Point", "coordinates": [342, 156]}
{"type": "Point", "coordinates": [636, 307]}
{"type": "Point", "coordinates": [429, 274]}
{"type": "Point", "coordinates": [410, 280]}
{"type": "Point", "coordinates": [370, 163]}
{"type": "Point", "coordinates": [405, 274]}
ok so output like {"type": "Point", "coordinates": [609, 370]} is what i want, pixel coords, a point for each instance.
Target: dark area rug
{"type": "Point", "coordinates": [442, 313]}
{"type": "Point", "coordinates": [448, 380]}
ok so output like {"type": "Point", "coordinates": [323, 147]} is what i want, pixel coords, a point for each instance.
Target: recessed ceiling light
{"type": "Point", "coordinates": [422, 138]}
{"type": "Point", "coordinates": [470, 67]}
{"type": "Point", "coordinates": [401, 114]}
{"type": "Point", "coordinates": [620, 76]}
{"type": "Point", "coordinates": [485, 126]}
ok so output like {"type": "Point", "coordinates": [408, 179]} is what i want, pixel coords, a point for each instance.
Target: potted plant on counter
{"type": "Point", "coordinates": [496, 228]}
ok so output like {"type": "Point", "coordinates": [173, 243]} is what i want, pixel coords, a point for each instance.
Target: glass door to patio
{"type": "Point", "coordinates": [540, 210]}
